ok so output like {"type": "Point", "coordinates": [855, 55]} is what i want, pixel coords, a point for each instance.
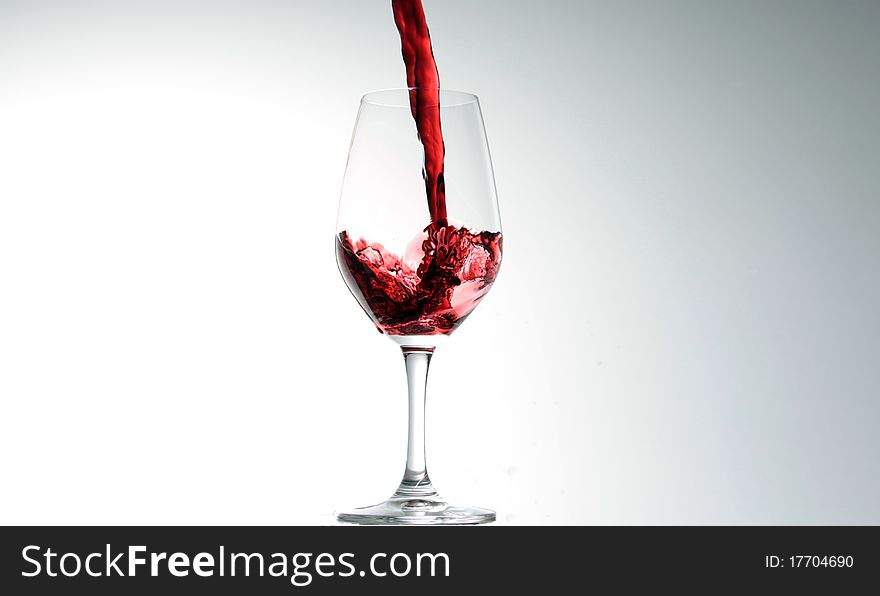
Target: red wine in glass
{"type": "Point", "coordinates": [418, 248]}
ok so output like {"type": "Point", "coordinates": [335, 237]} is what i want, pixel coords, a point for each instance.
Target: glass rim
{"type": "Point", "coordinates": [398, 97]}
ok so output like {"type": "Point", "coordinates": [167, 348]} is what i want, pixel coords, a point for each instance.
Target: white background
{"type": "Point", "coordinates": [685, 330]}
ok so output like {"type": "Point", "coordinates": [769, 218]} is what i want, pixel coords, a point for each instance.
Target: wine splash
{"type": "Point", "coordinates": [448, 268]}
{"type": "Point", "coordinates": [428, 292]}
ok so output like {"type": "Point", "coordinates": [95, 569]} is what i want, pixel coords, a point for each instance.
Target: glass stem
{"type": "Point", "coordinates": [416, 483]}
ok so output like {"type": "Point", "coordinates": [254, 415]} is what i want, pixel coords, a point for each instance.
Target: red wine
{"type": "Point", "coordinates": [432, 289]}
{"type": "Point", "coordinates": [447, 269]}
{"type": "Point", "coordinates": [423, 80]}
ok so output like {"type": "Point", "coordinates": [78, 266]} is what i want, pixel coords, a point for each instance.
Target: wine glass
{"type": "Point", "coordinates": [417, 278]}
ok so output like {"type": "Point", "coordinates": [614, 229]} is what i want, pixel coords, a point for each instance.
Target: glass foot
{"type": "Point", "coordinates": [408, 510]}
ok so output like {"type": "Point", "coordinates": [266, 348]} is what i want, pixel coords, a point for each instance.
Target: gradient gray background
{"type": "Point", "coordinates": [686, 328]}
